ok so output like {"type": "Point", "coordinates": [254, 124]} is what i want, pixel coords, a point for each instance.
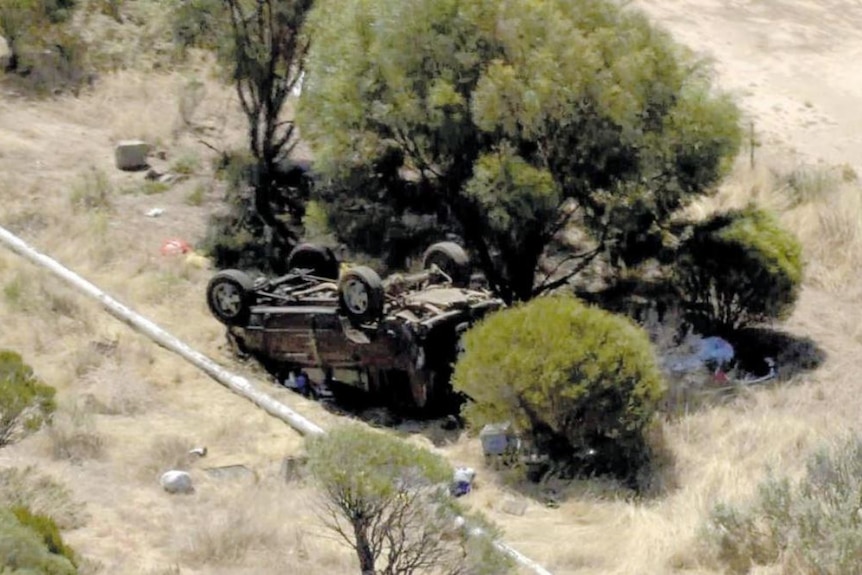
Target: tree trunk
{"type": "Point", "coordinates": [363, 549]}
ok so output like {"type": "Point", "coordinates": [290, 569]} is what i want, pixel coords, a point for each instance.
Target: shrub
{"type": "Point", "coordinates": [41, 494]}
{"type": "Point", "coordinates": [199, 24]}
{"type": "Point", "coordinates": [73, 437]}
{"type": "Point", "coordinates": [388, 500]}
{"type": "Point", "coordinates": [24, 549]}
{"type": "Point", "coordinates": [46, 529]}
{"type": "Point", "coordinates": [25, 402]}
{"type": "Point", "coordinates": [812, 526]}
{"type": "Point", "coordinates": [575, 380]}
{"type": "Point", "coordinates": [737, 269]}
{"type": "Point", "coordinates": [45, 54]}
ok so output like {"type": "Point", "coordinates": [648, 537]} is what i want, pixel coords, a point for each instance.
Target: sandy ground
{"type": "Point", "coordinates": [794, 66]}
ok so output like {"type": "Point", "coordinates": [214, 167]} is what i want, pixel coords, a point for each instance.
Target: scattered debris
{"type": "Point", "coordinates": [175, 481]}
{"type": "Point", "coordinates": [131, 154]}
{"type": "Point", "coordinates": [199, 451]}
{"type": "Point", "coordinates": [152, 175]}
{"type": "Point", "coordinates": [231, 472]}
{"type": "Point", "coordinates": [514, 506]}
{"type": "Point", "coordinates": [497, 438]}
{"type": "Point", "coordinates": [175, 247]}
{"type": "Point", "coordinates": [462, 481]}
{"type": "Point", "coordinates": [155, 212]}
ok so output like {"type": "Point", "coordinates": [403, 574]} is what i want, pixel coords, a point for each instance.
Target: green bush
{"type": "Point", "coordinates": [737, 269]}
{"type": "Point", "coordinates": [46, 55]}
{"type": "Point", "coordinates": [388, 500]}
{"type": "Point", "coordinates": [25, 402]}
{"type": "Point", "coordinates": [575, 380]}
{"type": "Point", "coordinates": [47, 529]}
{"type": "Point", "coordinates": [199, 23]}
{"type": "Point", "coordinates": [24, 550]}
{"type": "Point", "coordinates": [813, 526]}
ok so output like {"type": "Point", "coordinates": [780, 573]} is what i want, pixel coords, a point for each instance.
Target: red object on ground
{"type": "Point", "coordinates": [175, 247]}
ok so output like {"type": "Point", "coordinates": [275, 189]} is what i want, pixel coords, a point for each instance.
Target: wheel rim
{"type": "Point", "coordinates": [227, 299]}
{"type": "Point", "coordinates": [355, 296]}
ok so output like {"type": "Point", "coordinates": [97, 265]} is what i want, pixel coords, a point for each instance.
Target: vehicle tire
{"type": "Point", "coordinates": [319, 259]}
{"type": "Point", "coordinates": [360, 295]}
{"type": "Point", "coordinates": [230, 294]}
{"type": "Point", "coordinates": [451, 259]}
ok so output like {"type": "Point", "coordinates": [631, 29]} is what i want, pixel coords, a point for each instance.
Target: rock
{"type": "Point", "coordinates": [155, 212]}
{"type": "Point", "coordinates": [152, 175]}
{"type": "Point", "coordinates": [199, 451]}
{"type": "Point", "coordinates": [177, 482]}
{"type": "Point", "coordinates": [513, 506]}
{"type": "Point", "coordinates": [131, 154]}
{"type": "Point", "coordinates": [293, 467]}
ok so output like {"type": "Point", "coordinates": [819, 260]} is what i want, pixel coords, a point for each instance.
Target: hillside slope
{"type": "Point", "coordinates": [130, 409]}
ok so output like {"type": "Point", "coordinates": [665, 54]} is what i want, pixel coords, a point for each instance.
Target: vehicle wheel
{"type": "Point", "coordinates": [319, 259]}
{"type": "Point", "coordinates": [451, 259]}
{"type": "Point", "coordinates": [230, 295]}
{"type": "Point", "coordinates": [360, 295]}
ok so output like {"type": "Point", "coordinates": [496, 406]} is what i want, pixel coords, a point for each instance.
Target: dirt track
{"type": "Point", "coordinates": [795, 65]}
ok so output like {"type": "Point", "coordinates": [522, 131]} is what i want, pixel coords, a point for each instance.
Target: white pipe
{"type": "Point", "coordinates": [235, 383]}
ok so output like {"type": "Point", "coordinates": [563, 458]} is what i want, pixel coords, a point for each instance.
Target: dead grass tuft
{"type": "Point", "coordinates": [165, 453]}
{"type": "Point", "coordinates": [72, 436]}
{"type": "Point", "coordinates": [42, 495]}
{"type": "Point", "coordinates": [116, 388]}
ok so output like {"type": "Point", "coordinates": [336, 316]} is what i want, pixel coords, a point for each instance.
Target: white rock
{"type": "Point", "coordinates": [131, 154]}
{"type": "Point", "coordinates": [176, 482]}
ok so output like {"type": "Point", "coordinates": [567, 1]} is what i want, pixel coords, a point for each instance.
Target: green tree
{"type": "Point", "coordinates": [573, 379]}
{"type": "Point", "coordinates": [739, 268]}
{"type": "Point", "coordinates": [25, 402]}
{"type": "Point", "coordinates": [389, 501]}
{"type": "Point", "coordinates": [520, 119]}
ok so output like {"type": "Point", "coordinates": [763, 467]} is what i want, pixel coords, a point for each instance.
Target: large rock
{"type": "Point", "coordinates": [176, 482]}
{"type": "Point", "coordinates": [131, 154]}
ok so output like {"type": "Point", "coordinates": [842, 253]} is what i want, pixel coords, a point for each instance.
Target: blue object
{"type": "Point", "coordinates": [715, 349]}
{"type": "Point", "coordinates": [460, 488]}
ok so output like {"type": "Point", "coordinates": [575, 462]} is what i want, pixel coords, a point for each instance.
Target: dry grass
{"type": "Point", "coordinates": [139, 393]}
{"type": "Point", "coordinates": [72, 436]}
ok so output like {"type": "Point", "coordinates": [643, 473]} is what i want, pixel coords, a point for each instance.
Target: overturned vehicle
{"type": "Point", "coordinates": [397, 337]}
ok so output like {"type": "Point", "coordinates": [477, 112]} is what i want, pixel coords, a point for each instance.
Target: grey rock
{"type": "Point", "coordinates": [231, 472]}
{"type": "Point", "coordinates": [131, 154]}
{"type": "Point", "coordinates": [175, 481]}
{"type": "Point", "coordinates": [513, 506]}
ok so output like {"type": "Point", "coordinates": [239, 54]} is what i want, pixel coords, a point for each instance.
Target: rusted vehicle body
{"type": "Point", "coordinates": [398, 337]}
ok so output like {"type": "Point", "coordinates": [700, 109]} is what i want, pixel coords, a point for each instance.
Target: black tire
{"type": "Point", "coordinates": [319, 259]}
{"type": "Point", "coordinates": [230, 294]}
{"type": "Point", "coordinates": [452, 260]}
{"type": "Point", "coordinates": [360, 295]}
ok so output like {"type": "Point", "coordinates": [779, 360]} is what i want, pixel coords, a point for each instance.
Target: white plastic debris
{"type": "Point", "coordinates": [155, 212]}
